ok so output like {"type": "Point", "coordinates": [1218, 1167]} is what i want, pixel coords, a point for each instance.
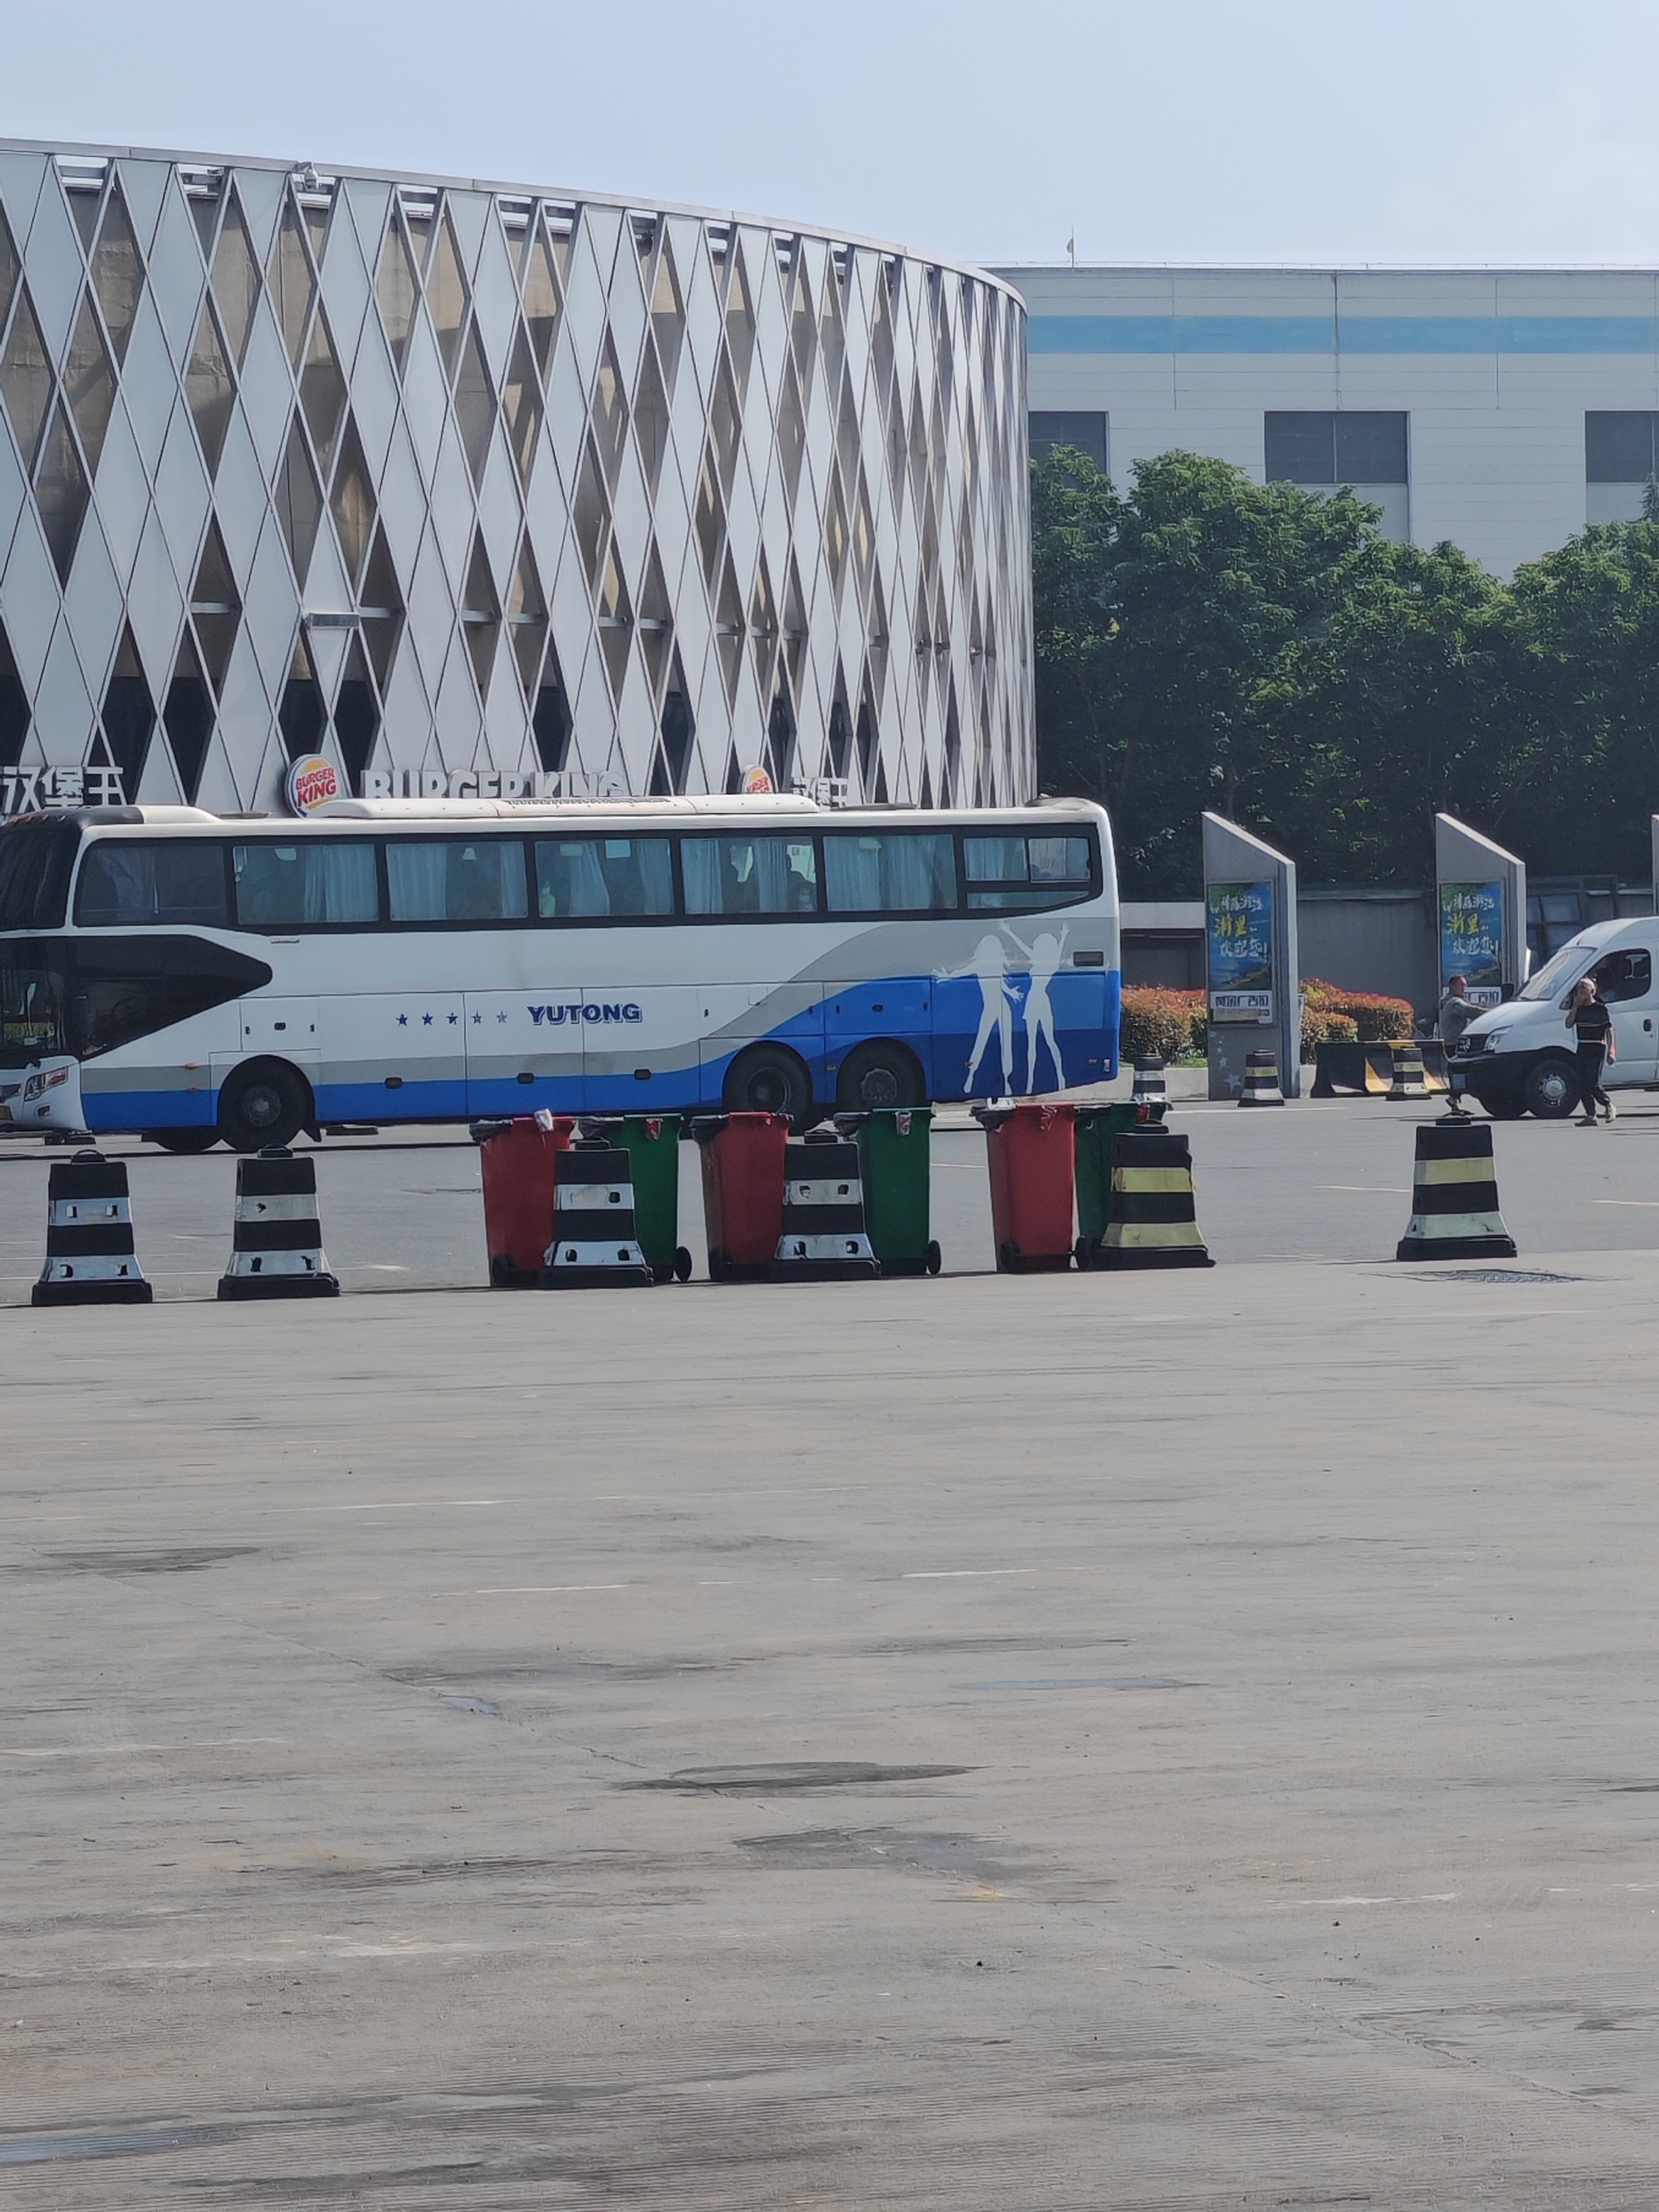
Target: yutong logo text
{"type": "Point", "coordinates": [553, 1016]}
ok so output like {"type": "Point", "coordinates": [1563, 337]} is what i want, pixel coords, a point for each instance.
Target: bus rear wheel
{"type": "Point", "coordinates": [264, 1104]}
{"type": "Point", "coordinates": [873, 1076]}
{"type": "Point", "coordinates": [182, 1141]}
{"type": "Point", "coordinates": [768, 1079]}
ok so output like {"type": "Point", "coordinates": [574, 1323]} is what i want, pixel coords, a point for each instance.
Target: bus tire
{"type": "Point", "coordinates": [266, 1103]}
{"type": "Point", "coordinates": [182, 1141]}
{"type": "Point", "coordinates": [873, 1076]}
{"type": "Point", "coordinates": [768, 1079]}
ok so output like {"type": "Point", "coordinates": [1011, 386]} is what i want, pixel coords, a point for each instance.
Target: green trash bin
{"type": "Point", "coordinates": [1096, 1125]}
{"type": "Point", "coordinates": [894, 1153]}
{"type": "Point", "coordinates": [651, 1142]}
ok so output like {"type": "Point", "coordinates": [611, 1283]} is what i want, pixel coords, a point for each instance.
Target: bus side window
{"type": "Point", "coordinates": [1012, 872]}
{"type": "Point", "coordinates": [597, 875]}
{"type": "Point", "coordinates": [282, 886]}
{"type": "Point", "coordinates": [749, 875]}
{"type": "Point", "coordinates": [126, 884]}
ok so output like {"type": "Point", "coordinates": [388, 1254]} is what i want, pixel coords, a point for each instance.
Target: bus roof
{"type": "Point", "coordinates": [734, 810]}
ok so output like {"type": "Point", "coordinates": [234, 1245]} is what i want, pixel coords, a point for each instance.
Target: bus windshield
{"type": "Point", "coordinates": [36, 859]}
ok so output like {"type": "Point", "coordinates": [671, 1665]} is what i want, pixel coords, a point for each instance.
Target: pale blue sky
{"type": "Point", "coordinates": [1179, 129]}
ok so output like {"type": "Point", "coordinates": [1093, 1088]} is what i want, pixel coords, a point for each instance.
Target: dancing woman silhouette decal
{"type": "Point", "coordinates": [1001, 992]}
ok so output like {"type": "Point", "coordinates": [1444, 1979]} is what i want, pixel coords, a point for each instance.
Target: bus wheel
{"type": "Point", "coordinates": [264, 1104]}
{"type": "Point", "coordinates": [876, 1075]}
{"type": "Point", "coordinates": [767, 1080]}
{"type": "Point", "coordinates": [182, 1141]}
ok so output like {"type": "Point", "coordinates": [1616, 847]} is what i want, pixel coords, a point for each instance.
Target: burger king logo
{"type": "Point", "coordinates": [312, 782]}
{"type": "Point", "coordinates": [756, 780]}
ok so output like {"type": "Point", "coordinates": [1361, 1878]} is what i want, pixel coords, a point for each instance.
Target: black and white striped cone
{"type": "Point", "coordinates": [90, 1257]}
{"type": "Point", "coordinates": [594, 1244]}
{"type": "Point", "coordinates": [1262, 1080]}
{"type": "Point", "coordinates": [823, 1239]}
{"type": "Point", "coordinates": [1454, 1196]}
{"type": "Point", "coordinates": [1410, 1079]}
{"type": "Point", "coordinates": [1153, 1221]}
{"type": "Point", "coordinates": [1150, 1089]}
{"type": "Point", "coordinates": [277, 1240]}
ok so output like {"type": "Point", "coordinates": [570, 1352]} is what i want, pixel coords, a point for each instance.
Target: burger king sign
{"type": "Point", "coordinates": [311, 782]}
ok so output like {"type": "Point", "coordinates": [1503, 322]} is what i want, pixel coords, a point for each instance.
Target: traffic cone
{"type": "Point", "coordinates": [276, 1243]}
{"type": "Point", "coordinates": [823, 1237]}
{"type": "Point", "coordinates": [1150, 1088]}
{"type": "Point", "coordinates": [1154, 1217]}
{"type": "Point", "coordinates": [90, 1257]}
{"type": "Point", "coordinates": [594, 1244]}
{"type": "Point", "coordinates": [1454, 1196]}
{"type": "Point", "coordinates": [1410, 1077]}
{"type": "Point", "coordinates": [1262, 1080]}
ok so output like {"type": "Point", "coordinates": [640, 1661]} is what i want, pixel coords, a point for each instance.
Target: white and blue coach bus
{"type": "Point", "coordinates": [196, 978]}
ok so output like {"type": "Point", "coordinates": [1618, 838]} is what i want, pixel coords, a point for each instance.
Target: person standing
{"type": "Point", "coordinates": [1591, 1019]}
{"type": "Point", "coordinates": [1456, 1014]}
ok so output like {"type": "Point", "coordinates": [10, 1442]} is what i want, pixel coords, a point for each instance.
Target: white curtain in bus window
{"type": "Point", "coordinates": [749, 875]}
{"type": "Point", "coordinates": [455, 879]}
{"type": "Point", "coordinates": [1025, 871]}
{"type": "Point", "coordinates": [288, 886]}
{"type": "Point", "coordinates": [910, 873]}
{"type": "Point", "coordinates": [126, 884]}
{"type": "Point", "coordinates": [577, 876]}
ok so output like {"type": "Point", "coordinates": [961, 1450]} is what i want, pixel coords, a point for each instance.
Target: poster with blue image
{"type": "Point", "coordinates": [1239, 935]}
{"type": "Point", "coordinates": [1472, 940]}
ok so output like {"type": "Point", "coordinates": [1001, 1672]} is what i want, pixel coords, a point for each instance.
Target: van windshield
{"type": "Point", "coordinates": [1553, 974]}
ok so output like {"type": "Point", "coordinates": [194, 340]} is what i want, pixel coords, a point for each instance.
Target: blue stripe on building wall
{"type": "Point", "coordinates": [1358, 334]}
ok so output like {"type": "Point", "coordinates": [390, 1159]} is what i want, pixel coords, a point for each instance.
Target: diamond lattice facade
{"type": "Point", "coordinates": [466, 487]}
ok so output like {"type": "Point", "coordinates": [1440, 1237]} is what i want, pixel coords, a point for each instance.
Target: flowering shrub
{"type": "Point", "coordinates": [1162, 1024]}
{"type": "Point", "coordinates": [1376, 1019]}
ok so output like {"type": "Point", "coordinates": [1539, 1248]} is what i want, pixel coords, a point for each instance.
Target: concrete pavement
{"type": "Point", "coordinates": [1182, 1741]}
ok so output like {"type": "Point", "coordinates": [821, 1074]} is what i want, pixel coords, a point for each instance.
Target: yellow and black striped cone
{"type": "Point", "coordinates": [1261, 1086]}
{"type": "Point", "coordinates": [1410, 1079]}
{"type": "Point", "coordinates": [1153, 1221]}
{"type": "Point", "coordinates": [1454, 1197]}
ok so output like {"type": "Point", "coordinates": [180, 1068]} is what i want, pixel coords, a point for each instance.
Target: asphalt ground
{"type": "Point", "coordinates": [1180, 1741]}
{"type": "Point", "coordinates": [1317, 1179]}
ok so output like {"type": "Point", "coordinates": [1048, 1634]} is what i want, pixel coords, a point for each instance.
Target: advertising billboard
{"type": "Point", "coordinates": [1472, 940]}
{"type": "Point", "coordinates": [1239, 937]}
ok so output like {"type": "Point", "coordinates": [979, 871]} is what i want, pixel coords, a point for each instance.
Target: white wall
{"type": "Point", "coordinates": [1497, 434]}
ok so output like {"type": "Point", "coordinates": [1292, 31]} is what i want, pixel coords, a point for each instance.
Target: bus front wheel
{"type": "Point", "coordinates": [264, 1104]}
{"type": "Point", "coordinates": [768, 1079]}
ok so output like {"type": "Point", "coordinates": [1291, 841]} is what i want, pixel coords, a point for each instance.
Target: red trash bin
{"type": "Point", "coordinates": [742, 1191]}
{"type": "Point", "coordinates": [517, 1157]}
{"type": "Point", "coordinates": [1029, 1150]}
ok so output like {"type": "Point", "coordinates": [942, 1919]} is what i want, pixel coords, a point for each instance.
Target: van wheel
{"type": "Point", "coordinates": [874, 1076]}
{"type": "Point", "coordinates": [1551, 1088]}
{"type": "Point", "coordinates": [264, 1103]}
{"type": "Point", "coordinates": [182, 1141]}
{"type": "Point", "coordinates": [768, 1079]}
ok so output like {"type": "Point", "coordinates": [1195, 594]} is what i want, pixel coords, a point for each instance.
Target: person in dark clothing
{"type": "Point", "coordinates": [1590, 1019]}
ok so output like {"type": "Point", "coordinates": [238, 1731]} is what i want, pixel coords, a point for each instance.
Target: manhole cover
{"type": "Point", "coordinates": [801, 1774]}
{"type": "Point", "coordinates": [1497, 1275]}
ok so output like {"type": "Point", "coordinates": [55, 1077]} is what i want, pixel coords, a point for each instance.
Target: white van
{"type": "Point", "coordinates": [1519, 1058]}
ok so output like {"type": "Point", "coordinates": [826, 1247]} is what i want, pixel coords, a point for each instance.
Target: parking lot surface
{"type": "Point", "coordinates": [1320, 1180]}
{"type": "Point", "coordinates": [1162, 1740]}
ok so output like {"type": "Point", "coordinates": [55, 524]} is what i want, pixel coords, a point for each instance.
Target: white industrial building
{"type": "Point", "coordinates": [1503, 409]}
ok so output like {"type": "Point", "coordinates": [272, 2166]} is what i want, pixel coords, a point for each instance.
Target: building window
{"type": "Point", "coordinates": [1363, 450]}
{"type": "Point", "coordinates": [1086, 431]}
{"type": "Point", "coordinates": [1620, 461]}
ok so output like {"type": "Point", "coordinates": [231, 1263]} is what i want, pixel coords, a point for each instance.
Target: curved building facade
{"type": "Point", "coordinates": [467, 487]}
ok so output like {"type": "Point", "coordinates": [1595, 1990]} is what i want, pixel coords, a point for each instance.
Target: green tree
{"type": "Point", "coordinates": [1174, 630]}
{"type": "Point", "coordinates": [1586, 623]}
